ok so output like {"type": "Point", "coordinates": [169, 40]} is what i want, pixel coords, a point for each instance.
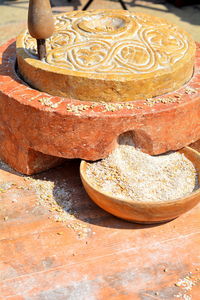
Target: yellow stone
{"type": "Point", "coordinates": [109, 55]}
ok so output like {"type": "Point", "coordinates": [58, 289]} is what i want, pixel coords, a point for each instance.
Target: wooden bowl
{"type": "Point", "coordinates": [144, 212]}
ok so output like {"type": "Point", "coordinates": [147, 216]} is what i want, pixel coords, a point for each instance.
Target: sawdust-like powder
{"type": "Point", "coordinates": [128, 173]}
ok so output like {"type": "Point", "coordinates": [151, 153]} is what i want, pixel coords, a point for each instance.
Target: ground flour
{"type": "Point", "coordinates": [130, 173]}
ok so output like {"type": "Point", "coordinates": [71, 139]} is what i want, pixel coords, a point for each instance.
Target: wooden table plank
{"type": "Point", "coordinates": [92, 256]}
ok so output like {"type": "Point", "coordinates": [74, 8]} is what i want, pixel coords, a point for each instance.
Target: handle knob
{"type": "Point", "coordinates": [40, 23]}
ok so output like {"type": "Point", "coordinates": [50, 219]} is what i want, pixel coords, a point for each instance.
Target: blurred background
{"type": "Point", "coordinates": [13, 13]}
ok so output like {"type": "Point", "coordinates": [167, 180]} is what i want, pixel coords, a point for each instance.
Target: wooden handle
{"type": "Point", "coordinates": [40, 24]}
{"type": "Point", "coordinates": [40, 19]}
{"type": "Point", "coordinates": [41, 49]}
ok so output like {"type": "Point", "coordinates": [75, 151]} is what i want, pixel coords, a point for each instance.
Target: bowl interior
{"type": "Point", "coordinates": [190, 153]}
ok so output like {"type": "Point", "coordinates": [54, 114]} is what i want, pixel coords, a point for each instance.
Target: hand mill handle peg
{"type": "Point", "coordinates": [40, 24]}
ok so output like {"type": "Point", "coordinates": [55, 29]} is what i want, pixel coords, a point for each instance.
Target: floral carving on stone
{"type": "Point", "coordinates": [100, 42]}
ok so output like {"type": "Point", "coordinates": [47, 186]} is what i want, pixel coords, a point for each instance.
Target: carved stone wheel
{"type": "Point", "coordinates": [38, 130]}
{"type": "Point", "coordinates": [109, 55]}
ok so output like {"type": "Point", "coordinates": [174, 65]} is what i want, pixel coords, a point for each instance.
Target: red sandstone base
{"type": "Point", "coordinates": [38, 130]}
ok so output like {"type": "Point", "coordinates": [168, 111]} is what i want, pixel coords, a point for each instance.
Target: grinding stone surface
{"type": "Point", "coordinates": [39, 130]}
{"type": "Point", "coordinates": [109, 55]}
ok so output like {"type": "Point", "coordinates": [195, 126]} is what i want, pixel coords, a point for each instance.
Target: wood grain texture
{"type": "Point", "coordinates": [118, 260]}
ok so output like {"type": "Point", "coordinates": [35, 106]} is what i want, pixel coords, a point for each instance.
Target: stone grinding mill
{"type": "Point", "coordinates": [95, 76]}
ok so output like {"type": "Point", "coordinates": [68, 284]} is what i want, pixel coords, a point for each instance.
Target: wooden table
{"type": "Point", "coordinates": [91, 255]}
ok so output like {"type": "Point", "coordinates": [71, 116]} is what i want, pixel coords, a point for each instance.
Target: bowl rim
{"type": "Point", "coordinates": [144, 203]}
